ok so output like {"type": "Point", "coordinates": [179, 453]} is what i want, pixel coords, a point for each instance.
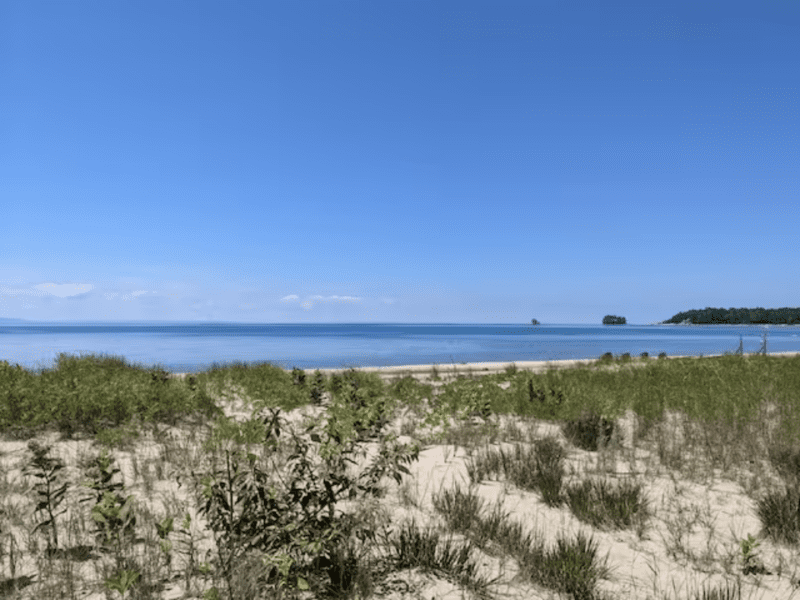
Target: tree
{"type": "Point", "coordinates": [534, 322]}
{"type": "Point", "coordinates": [614, 320]}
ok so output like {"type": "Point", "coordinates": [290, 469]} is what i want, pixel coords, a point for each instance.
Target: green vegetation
{"type": "Point", "coordinates": [93, 394]}
{"type": "Point", "coordinates": [614, 320]}
{"type": "Point", "coordinates": [534, 322]}
{"type": "Point", "coordinates": [250, 482]}
{"type": "Point", "coordinates": [738, 316]}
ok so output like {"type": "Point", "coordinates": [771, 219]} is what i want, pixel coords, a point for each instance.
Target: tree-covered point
{"type": "Point", "coordinates": [534, 322]}
{"type": "Point", "coordinates": [736, 316]}
{"type": "Point", "coordinates": [614, 320]}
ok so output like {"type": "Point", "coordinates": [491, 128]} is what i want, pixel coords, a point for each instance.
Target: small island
{"type": "Point", "coordinates": [614, 320]}
{"type": "Point", "coordinates": [737, 316]}
{"type": "Point", "coordinates": [534, 322]}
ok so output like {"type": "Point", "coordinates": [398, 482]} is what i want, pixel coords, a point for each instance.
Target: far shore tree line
{"type": "Point", "coordinates": [722, 316]}
{"type": "Point", "coordinates": [738, 316]}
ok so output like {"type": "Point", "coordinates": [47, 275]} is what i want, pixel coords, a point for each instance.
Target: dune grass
{"type": "Point", "coordinates": [266, 508]}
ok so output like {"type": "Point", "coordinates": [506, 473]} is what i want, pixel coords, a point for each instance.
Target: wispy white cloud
{"type": "Point", "coordinates": [64, 290]}
{"type": "Point", "coordinates": [290, 298]}
{"type": "Point", "coordinates": [309, 302]}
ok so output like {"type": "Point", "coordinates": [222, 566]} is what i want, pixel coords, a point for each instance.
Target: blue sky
{"type": "Point", "coordinates": [404, 161]}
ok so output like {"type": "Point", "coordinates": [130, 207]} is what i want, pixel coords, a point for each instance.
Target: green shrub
{"type": "Point", "coordinates": [287, 514]}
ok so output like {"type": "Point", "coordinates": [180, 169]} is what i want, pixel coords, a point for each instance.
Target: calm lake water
{"type": "Point", "coordinates": [193, 347]}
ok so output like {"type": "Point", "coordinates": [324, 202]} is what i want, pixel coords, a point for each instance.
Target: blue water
{"type": "Point", "coordinates": [193, 347]}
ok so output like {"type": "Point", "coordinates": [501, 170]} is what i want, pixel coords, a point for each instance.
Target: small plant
{"type": "Point", "coordinates": [122, 581]}
{"type": "Point", "coordinates": [589, 431]}
{"type": "Point", "coordinates": [551, 400]}
{"type": "Point", "coordinates": [187, 547]}
{"type": "Point", "coordinates": [317, 387]}
{"type": "Point", "coordinates": [644, 355]}
{"type": "Point", "coordinates": [606, 357]}
{"type": "Point", "coordinates": [626, 357]}
{"type": "Point", "coordinates": [512, 369]}
{"type": "Point", "coordinates": [662, 355]}
{"type": "Point", "coordinates": [750, 561]}
{"type": "Point", "coordinates": [298, 376]}
{"type": "Point", "coordinates": [163, 529]}
{"type": "Point", "coordinates": [50, 490]}
{"type": "Point", "coordinates": [112, 512]}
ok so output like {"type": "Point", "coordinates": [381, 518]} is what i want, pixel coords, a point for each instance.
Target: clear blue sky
{"type": "Point", "coordinates": [403, 161]}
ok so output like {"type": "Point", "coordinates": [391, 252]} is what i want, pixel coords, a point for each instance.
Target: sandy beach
{"type": "Point", "coordinates": [699, 514]}
{"type": "Point", "coordinates": [453, 370]}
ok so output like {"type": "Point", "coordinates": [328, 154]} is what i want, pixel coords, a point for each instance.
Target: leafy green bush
{"type": "Point", "coordinates": [360, 405]}
{"type": "Point", "coordinates": [285, 511]}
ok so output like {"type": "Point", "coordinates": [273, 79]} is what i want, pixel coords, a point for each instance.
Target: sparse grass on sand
{"type": "Point", "coordinates": [626, 478]}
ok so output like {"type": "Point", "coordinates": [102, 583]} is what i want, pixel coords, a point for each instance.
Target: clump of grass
{"type": "Point", "coordinates": [779, 513]}
{"type": "Point", "coordinates": [726, 592]}
{"type": "Point", "coordinates": [415, 547]}
{"type": "Point", "coordinates": [537, 468]}
{"type": "Point", "coordinates": [460, 510]}
{"type": "Point", "coordinates": [589, 431]}
{"type": "Point", "coordinates": [572, 567]}
{"type": "Point", "coordinates": [599, 503]}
